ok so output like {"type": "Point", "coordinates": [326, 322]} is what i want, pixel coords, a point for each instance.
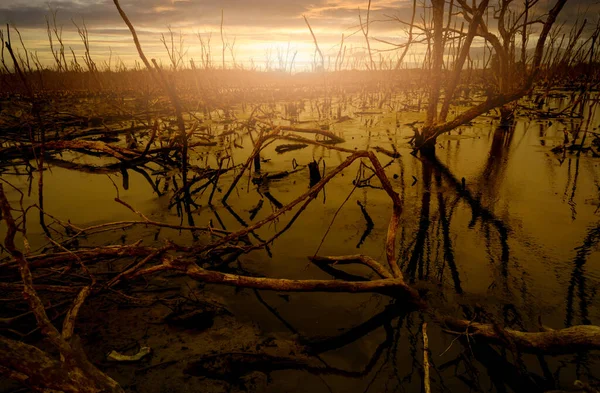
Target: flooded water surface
{"type": "Point", "coordinates": [501, 226]}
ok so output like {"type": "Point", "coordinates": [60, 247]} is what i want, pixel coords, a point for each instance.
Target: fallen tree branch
{"type": "Point", "coordinates": [389, 286]}
{"type": "Point", "coordinates": [348, 259]}
{"type": "Point", "coordinates": [328, 134]}
{"type": "Point", "coordinates": [560, 341]}
{"type": "Point", "coordinates": [73, 373]}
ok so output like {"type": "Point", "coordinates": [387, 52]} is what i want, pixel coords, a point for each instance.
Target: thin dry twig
{"type": "Point", "coordinates": [426, 380]}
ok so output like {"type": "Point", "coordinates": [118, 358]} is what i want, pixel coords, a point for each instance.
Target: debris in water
{"type": "Point", "coordinates": [119, 357]}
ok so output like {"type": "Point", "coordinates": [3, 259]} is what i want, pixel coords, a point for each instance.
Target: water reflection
{"type": "Point", "coordinates": [577, 282]}
{"type": "Point", "coordinates": [571, 185]}
{"type": "Point", "coordinates": [418, 264]}
{"type": "Point", "coordinates": [492, 227]}
{"type": "Point", "coordinates": [490, 180]}
{"type": "Point", "coordinates": [445, 220]}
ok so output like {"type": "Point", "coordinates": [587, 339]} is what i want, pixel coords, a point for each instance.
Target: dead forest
{"type": "Point", "coordinates": [368, 226]}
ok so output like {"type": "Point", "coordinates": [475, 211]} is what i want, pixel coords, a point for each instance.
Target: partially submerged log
{"type": "Point", "coordinates": [389, 153]}
{"type": "Point", "coordinates": [331, 137]}
{"type": "Point", "coordinates": [569, 340]}
{"type": "Point", "coordinates": [78, 145]}
{"type": "Point", "coordinates": [391, 286]}
{"type": "Point", "coordinates": [284, 148]}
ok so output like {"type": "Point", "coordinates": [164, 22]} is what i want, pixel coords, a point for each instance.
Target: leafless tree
{"type": "Point", "coordinates": [508, 87]}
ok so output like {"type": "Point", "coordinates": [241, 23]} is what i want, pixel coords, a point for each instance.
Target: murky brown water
{"type": "Point", "coordinates": [520, 242]}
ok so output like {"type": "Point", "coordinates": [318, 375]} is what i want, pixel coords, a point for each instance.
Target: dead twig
{"type": "Point", "coordinates": [426, 380]}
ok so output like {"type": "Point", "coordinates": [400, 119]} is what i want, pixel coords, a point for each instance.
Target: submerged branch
{"type": "Point", "coordinates": [561, 341]}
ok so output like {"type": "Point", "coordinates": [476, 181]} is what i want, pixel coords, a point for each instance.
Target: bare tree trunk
{"type": "Point", "coordinates": [365, 31]}
{"type": "Point", "coordinates": [438, 60]}
{"type": "Point", "coordinates": [410, 37]}
{"type": "Point", "coordinates": [458, 66]}
{"type": "Point", "coordinates": [316, 43]}
{"type": "Point", "coordinates": [425, 140]}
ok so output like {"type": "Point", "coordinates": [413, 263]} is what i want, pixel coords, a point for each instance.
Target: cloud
{"type": "Point", "coordinates": [257, 26]}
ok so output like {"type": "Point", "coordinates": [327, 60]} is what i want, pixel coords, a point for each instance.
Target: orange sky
{"type": "Point", "coordinates": [263, 31]}
{"type": "Point", "coordinates": [260, 31]}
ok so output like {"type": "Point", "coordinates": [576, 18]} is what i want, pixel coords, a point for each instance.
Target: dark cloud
{"type": "Point", "coordinates": [154, 13]}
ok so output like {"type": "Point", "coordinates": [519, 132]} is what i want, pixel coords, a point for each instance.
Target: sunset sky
{"type": "Point", "coordinates": [261, 28]}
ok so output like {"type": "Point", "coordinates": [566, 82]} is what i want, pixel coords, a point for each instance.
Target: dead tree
{"type": "Point", "coordinates": [508, 88]}
{"type": "Point", "coordinates": [321, 65]}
